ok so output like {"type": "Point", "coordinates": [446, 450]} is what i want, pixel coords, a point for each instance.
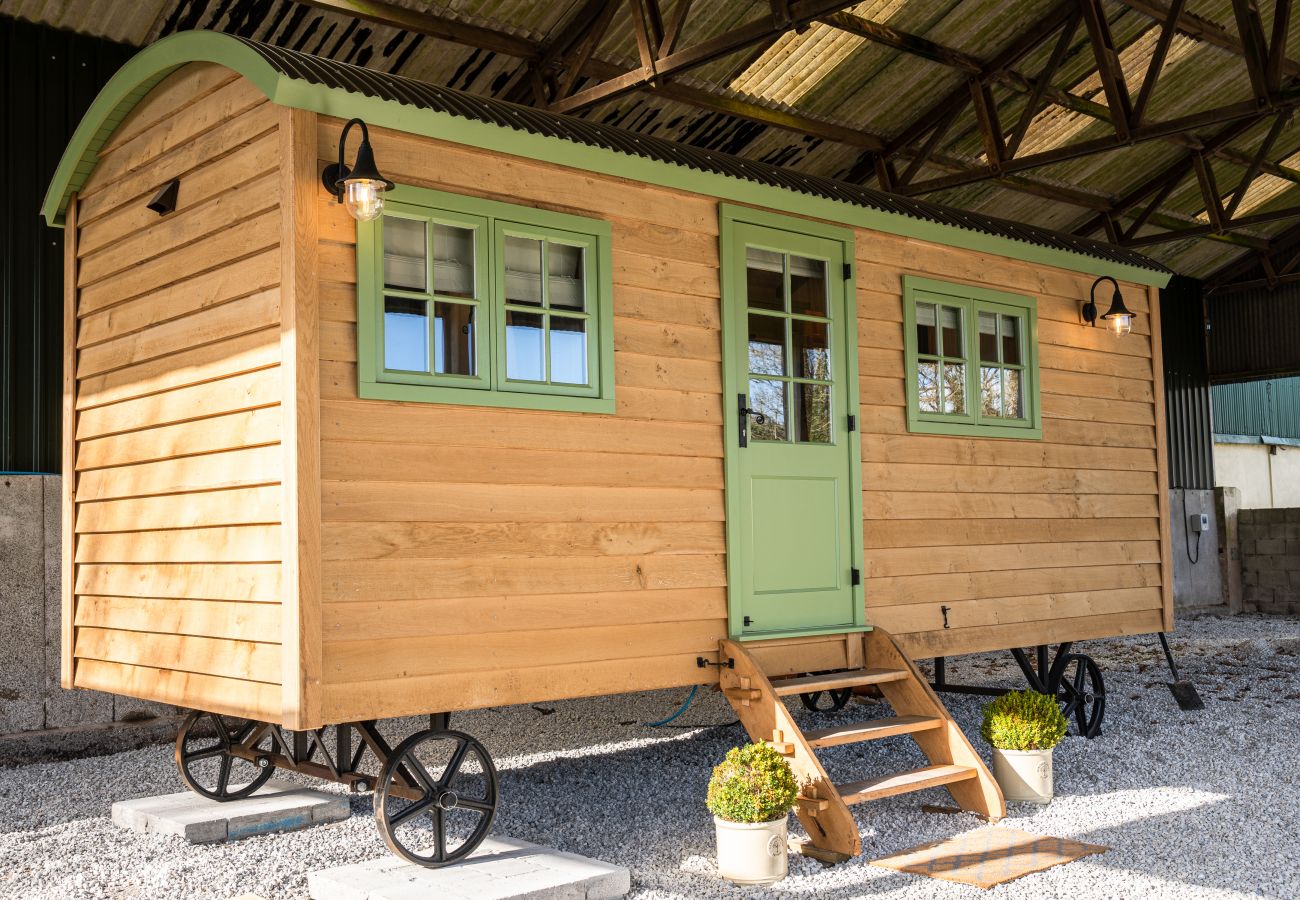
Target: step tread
{"type": "Point", "coordinates": [903, 782]}
{"type": "Point", "coordinates": [870, 730]}
{"type": "Point", "coordinates": [852, 678]}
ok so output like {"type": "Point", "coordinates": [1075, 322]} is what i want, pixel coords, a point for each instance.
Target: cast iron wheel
{"type": "Point", "coordinates": [206, 764]}
{"type": "Point", "coordinates": [436, 797]}
{"type": "Point", "coordinates": [837, 699]}
{"type": "Point", "coordinates": [1082, 692]}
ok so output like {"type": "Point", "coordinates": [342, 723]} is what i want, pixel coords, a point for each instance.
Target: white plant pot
{"type": "Point", "coordinates": [752, 853]}
{"type": "Point", "coordinates": [1024, 774]}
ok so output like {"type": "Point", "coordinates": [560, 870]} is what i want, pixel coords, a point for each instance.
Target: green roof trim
{"type": "Point", "coordinates": [331, 88]}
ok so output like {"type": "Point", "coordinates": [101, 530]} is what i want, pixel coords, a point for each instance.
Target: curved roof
{"type": "Point", "coordinates": [294, 79]}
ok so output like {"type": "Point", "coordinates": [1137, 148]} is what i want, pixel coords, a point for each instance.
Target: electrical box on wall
{"type": "Point", "coordinates": [1199, 522]}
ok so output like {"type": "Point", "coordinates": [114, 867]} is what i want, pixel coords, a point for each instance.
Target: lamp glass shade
{"type": "Point", "coordinates": [1118, 318]}
{"type": "Point", "coordinates": [363, 198]}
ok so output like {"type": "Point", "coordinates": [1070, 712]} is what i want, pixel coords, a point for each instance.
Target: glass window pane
{"type": "Point", "coordinates": [767, 398]}
{"type": "Point", "coordinates": [1011, 340]}
{"type": "Point", "coordinates": [764, 278]}
{"type": "Point", "coordinates": [954, 389]}
{"type": "Point", "coordinates": [952, 342]}
{"type": "Point", "coordinates": [453, 339]}
{"type": "Point", "coordinates": [1014, 394]}
{"type": "Point", "coordinates": [564, 271]}
{"type": "Point", "coordinates": [767, 345]}
{"type": "Point", "coordinates": [991, 391]}
{"type": "Point", "coordinates": [453, 261]}
{"type": "Point", "coordinates": [525, 359]}
{"type": "Point", "coordinates": [813, 413]}
{"type": "Point", "coordinates": [523, 271]}
{"type": "Point", "coordinates": [927, 386]}
{"type": "Point", "coordinates": [406, 334]}
{"type": "Point", "coordinates": [927, 337]}
{"type": "Point", "coordinates": [568, 350]}
{"type": "Point", "coordinates": [807, 286]}
{"type": "Point", "coordinates": [405, 250]}
{"type": "Point", "coordinates": [988, 337]}
{"type": "Point", "coordinates": [812, 349]}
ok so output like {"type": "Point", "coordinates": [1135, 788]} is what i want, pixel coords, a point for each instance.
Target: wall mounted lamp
{"type": "Point", "coordinates": [1119, 319]}
{"type": "Point", "coordinates": [360, 188]}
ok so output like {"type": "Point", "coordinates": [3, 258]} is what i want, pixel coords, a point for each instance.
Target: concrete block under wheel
{"type": "Point", "coordinates": [278, 806]}
{"type": "Point", "coordinates": [500, 869]}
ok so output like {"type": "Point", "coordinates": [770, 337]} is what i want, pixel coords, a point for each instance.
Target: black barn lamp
{"type": "Point", "coordinates": [1119, 319]}
{"type": "Point", "coordinates": [360, 188]}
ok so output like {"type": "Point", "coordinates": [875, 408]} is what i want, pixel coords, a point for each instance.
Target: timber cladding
{"type": "Point", "coordinates": [173, 558]}
{"type": "Point", "coordinates": [249, 536]}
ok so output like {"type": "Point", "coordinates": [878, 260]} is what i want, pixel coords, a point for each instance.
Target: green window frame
{"type": "Point", "coordinates": [968, 383]}
{"type": "Point", "coordinates": [572, 297]}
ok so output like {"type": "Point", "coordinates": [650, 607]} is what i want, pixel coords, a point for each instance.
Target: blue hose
{"type": "Point", "coordinates": [689, 698]}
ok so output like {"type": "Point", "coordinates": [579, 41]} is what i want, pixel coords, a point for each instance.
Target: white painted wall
{"type": "Point", "coordinates": [1268, 477]}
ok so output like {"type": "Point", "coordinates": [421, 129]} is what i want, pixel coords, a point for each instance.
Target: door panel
{"type": "Point", "coordinates": [790, 491]}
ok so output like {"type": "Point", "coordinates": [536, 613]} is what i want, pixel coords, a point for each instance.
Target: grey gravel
{"type": "Point", "coordinates": [1192, 804]}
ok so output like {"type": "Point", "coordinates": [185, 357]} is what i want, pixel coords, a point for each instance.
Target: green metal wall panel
{"type": "Point", "coordinates": [47, 81]}
{"type": "Point", "coordinates": [1268, 408]}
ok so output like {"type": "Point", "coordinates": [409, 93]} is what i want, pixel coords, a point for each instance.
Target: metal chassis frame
{"type": "Point", "coordinates": [1038, 679]}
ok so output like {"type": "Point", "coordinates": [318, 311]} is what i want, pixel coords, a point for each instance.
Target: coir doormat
{"type": "Point", "coordinates": [988, 856]}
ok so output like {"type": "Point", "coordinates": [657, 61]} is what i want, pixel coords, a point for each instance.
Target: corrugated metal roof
{"type": "Point", "coordinates": [359, 80]}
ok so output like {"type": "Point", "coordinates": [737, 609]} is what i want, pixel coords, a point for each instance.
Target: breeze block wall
{"type": "Point", "coordinates": [1270, 560]}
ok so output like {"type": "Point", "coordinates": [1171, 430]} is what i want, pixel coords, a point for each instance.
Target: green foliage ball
{"type": "Point", "coordinates": [1023, 720]}
{"type": "Point", "coordinates": [753, 784]}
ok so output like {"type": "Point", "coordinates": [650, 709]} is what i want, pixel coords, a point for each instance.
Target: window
{"type": "Point", "coordinates": [972, 360]}
{"type": "Point", "coordinates": [462, 300]}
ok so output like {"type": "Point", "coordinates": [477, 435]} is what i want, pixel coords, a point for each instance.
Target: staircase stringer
{"type": "Point", "coordinates": [821, 810]}
{"type": "Point", "coordinates": [946, 745]}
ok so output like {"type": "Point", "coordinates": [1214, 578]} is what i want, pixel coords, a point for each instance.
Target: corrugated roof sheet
{"type": "Point", "coordinates": [409, 92]}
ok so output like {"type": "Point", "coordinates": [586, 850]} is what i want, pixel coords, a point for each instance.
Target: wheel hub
{"type": "Point", "coordinates": [448, 800]}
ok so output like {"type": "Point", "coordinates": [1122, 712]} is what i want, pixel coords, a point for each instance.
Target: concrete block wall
{"type": "Point", "coordinates": [38, 718]}
{"type": "Point", "coordinates": [1270, 560]}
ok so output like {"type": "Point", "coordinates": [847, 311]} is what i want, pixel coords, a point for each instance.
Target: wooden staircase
{"type": "Point", "coordinates": [823, 806]}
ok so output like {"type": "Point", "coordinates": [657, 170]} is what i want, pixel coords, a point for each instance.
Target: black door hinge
{"type": "Point", "coordinates": [848, 271]}
{"type": "Point", "coordinates": [853, 423]}
{"type": "Point", "coordinates": [855, 576]}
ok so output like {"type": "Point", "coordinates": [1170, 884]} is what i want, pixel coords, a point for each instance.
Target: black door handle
{"type": "Point", "coordinates": [742, 408]}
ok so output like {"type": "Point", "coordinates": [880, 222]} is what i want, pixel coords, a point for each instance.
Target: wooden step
{"type": "Point", "coordinates": [853, 678]}
{"type": "Point", "coordinates": [903, 782]}
{"type": "Point", "coordinates": [870, 730]}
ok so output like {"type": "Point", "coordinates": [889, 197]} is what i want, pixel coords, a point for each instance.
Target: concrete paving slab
{"type": "Point", "coordinates": [501, 868]}
{"type": "Point", "coordinates": [278, 806]}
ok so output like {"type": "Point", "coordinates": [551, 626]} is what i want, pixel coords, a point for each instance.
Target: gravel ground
{"type": "Point", "coordinates": [1192, 804]}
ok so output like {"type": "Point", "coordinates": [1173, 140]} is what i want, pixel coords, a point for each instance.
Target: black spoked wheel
{"type": "Point", "coordinates": [206, 763]}
{"type": "Point", "coordinates": [436, 797]}
{"type": "Point", "coordinates": [1082, 693]}
{"type": "Point", "coordinates": [826, 701]}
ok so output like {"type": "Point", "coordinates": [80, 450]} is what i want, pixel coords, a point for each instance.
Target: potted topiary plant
{"type": "Point", "coordinates": [750, 795]}
{"type": "Point", "coordinates": [1023, 727]}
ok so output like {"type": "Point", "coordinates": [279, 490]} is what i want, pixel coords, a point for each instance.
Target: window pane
{"type": "Point", "coordinates": [927, 386]}
{"type": "Point", "coordinates": [524, 357]}
{"type": "Point", "coordinates": [954, 389]}
{"type": "Point", "coordinates": [523, 271]}
{"type": "Point", "coordinates": [988, 337]}
{"type": "Point", "coordinates": [1014, 394]}
{"type": "Point", "coordinates": [812, 349]}
{"type": "Point", "coordinates": [406, 334]}
{"type": "Point", "coordinates": [453, 261]}
{"type": "Point", "coordinates": [767, 398]}
{"type": "Point", "coordinates": [927, 337]}
{"type": "Point", "coordinates": [1011, 340]}
{"type": "Point", "coordinates": [453, 338]}
{"type": "Point", "coordinates": [564, 271]}
{"type": "Point", "coordinates": [764, 279]}
{"type": "Point", "coordinates": [990, 390]}
{"type": "Point", "coordinates": [767, 345]}
{"type": "Point", "coordinates": [568, 350]}
{"type": "Point", "coordinates": [813, 413]}
{"type": "Point", "coordinates": [952, 342]}
{"type": "Point", "coordinates": [807, 286]}
{"type": "Point", "coordinates": [404, 254]}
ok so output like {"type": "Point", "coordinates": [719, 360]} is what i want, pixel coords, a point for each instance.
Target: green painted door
{"type": "Point", "coordinates": [791, 453]}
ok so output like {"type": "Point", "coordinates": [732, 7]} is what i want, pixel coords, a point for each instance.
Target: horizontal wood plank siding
{"type": "Point", "coordinates": [176, 569]}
